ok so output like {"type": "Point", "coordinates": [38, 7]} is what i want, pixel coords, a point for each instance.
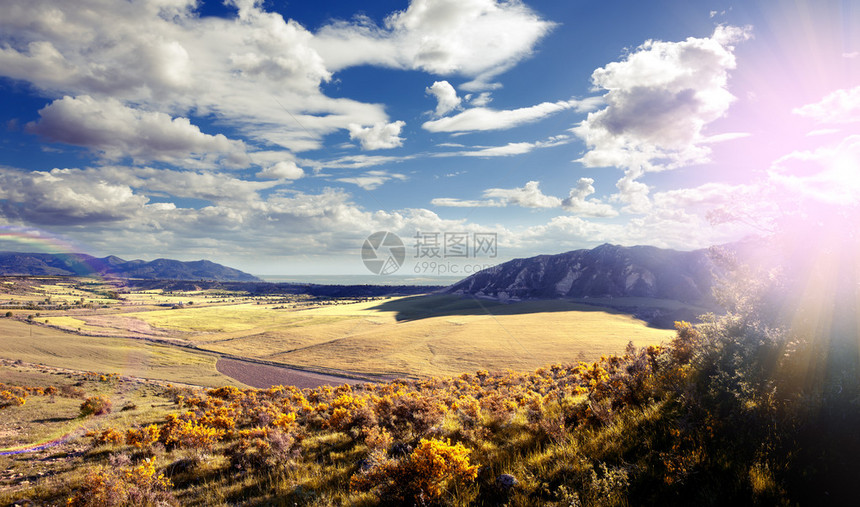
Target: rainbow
{"type": "Point", "coordinates": [8, 451]}
{"type": "Point", "coordinates": [31, 240]}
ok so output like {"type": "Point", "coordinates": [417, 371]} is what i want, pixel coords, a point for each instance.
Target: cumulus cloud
{"type": "Point", "coordinates": [632, 193]}
{"type": "Point", "coordinates": [482, 118]}
{"type": "Point", "coordinates": [256, 71]}
{"type": "Point", "coordinates": [65, 197]}
{"type": "Point", "coordinates": [287, 170]}
{"type": "Point", "coordinates": [117, 131]}
{"type": "Point", "coordinates": [659, 100]}
{"type": "Point", "coordinates": [578, 203]}
{"type": "Point", "coordinates": [379, 136]}
{"type": "Point", "coordinates": [446, 97]}
{"type": "Point", "coordinates": [478, 39]}
{"type": "Point", "coordinates": [529, 196]}
{"type": "Point", "coordinates": [840, 106]}
{"type": "Point", "coordinates": [109, 206]}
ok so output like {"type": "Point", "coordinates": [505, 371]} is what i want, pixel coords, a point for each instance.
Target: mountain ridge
{"type": "Point", "coordinates": [607, 271]}
{"type": "Point", "coordinates": [47, 264]}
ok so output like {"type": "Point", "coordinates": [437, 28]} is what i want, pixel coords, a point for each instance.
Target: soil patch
{"type": "Point", "coordinates": [264, 376]}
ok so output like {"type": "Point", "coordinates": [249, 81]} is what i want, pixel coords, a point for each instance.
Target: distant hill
{"type": "Point", "coordinates": [604, 273]}
{"type": "Point", "coordinates": [44, 264]}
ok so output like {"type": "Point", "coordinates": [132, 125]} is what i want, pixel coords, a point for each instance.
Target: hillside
{"type": "Point", "coordinates": [605, 271]}
{"type": "Point", "coordinates": [44, 264]}
{"type": "Point", "coordinates": [654, 284]}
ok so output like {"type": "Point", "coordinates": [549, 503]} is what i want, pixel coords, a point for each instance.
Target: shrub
{"type": "Point", "coordinates": [188, 434]}
{"type": "Point", "coordinates": [143, 438]}
{"type": "Point", "coordinates": [107, 487]}
{"type": "Point", "coordinates": [424, 475]}
{"type": "Point", "coordinates": [11, 399]}
{"type": "Point", "coordinates": [263, 449]}
{"type": "Point", "coordinates": [96, 405]}
{"type": "Point", "coordinates": [106, 436]}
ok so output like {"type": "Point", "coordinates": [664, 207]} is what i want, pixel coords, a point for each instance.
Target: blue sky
{"type": "Point", "coordinates": [276, 136]}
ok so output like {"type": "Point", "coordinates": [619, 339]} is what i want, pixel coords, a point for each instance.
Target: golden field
{"type": "Point", "coordinates": [403, 336]}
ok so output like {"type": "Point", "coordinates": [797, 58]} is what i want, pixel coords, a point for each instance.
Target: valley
{"type": "Point", "coordinates": [105, 325]}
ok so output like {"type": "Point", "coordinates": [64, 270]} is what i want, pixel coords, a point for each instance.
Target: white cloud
{"type": "Point", "coordinates": [564, 232]}
{"type": "Point", "coordinates": [117, 131]}
{"type": "Point", "coordinates": [633, 193]}
{"type": "Point", "coordinates": [528, 196]}
{"type": "Point", "coordinates": [287, 170]}
{"type": "Point", "coordinates": [111, 212]}
{"type": "Point", "coordinates": [450, 202]}
{"type": "Point", "coordinates": [482, 118]}
{"type": "Point", "coordinates": [840, 106]}
{"type": "Point", "coordinates": [65, 197]}
{"type": "Point", "coordinates": [378, 136]}
{"type": "Point", "coordinates": [498, 151]}
{"type": "Point", "coordinates": [355, 162]}
{"type": "Point", "coordinates": [204, 185]}
{"type": "Point", "coordinates": [257, 72]}
{"type": "Point", "coordinates": [507, 150]}
{"type": "Point", "coordinates": [659, 100]}
{"type": "Point", "coordinates": [577, 203]}
{"type": "Point", "coordinates": [372, 179]}
{"type": "Point", "coordinates": [474, 38]}
{"type": "Point", "coordinates": [479, 100]}
{"type": "Point", "coordinates": [446, 97]}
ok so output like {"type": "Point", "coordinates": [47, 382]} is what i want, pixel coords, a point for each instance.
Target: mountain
{"type": "Point", "coordinates": [43, 264]}
{"type": "Point", "coordinates": [608, 271]}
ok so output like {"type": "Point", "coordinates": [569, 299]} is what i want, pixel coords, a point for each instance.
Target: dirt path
{"type": "Point", "coordinates": [263, 376]}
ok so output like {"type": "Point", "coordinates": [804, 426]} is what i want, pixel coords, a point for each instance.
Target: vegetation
{"type": "Point", "coordinates": [401, 336]}
{"type": "Point", "coordinates": [758, 406]}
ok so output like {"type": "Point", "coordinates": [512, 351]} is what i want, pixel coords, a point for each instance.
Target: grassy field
{"type": "Point", "coordinates": [409, 336]}
{"type": "Point", "coordinates": [402, 336]}
{"type": "Point", "coordinates": [415, 336]}
{"type": "Point", "coordinates": [44, 345]}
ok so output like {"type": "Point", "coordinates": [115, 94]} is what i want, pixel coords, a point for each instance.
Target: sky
{"type": "Point", "coordinates": [277, 137]}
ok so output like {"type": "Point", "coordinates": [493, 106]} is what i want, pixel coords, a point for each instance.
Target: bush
{"type": "Point", "coordinates": [131, 486]}
{"type": "Point", "coordinates": [11, 399]}
{"type": "Point", "coordinates": [424, 475]}
{"type": "Point", "coordinates": [96, 405]}
{"type": "Point", "coordinates": [106, 436]}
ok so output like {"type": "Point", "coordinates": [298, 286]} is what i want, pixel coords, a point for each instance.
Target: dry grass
{"type": "Point", "coordinates": [413, 336]}
{"type": "Point", "coordinates": [44, 345]}
{"type": "Point", "coordinates": [460, 335]}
